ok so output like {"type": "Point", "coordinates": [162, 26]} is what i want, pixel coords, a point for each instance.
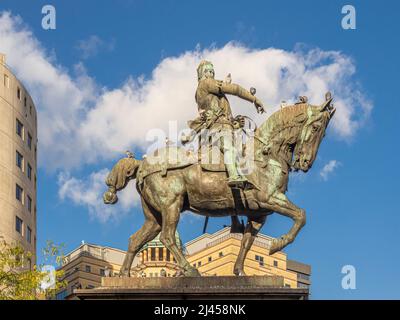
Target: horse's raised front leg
{"type": "Point", "coordinates": [150, 229]}
{"type": "Point", "coordinates": [252, 228]}
{"type": "Point", "coordinates": [170, 218]}
{"type": "Point", "coordinates": [281, 204]}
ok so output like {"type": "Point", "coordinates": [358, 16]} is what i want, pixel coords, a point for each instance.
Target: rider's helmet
{"type": "Point", "coordinates": [203, 67]}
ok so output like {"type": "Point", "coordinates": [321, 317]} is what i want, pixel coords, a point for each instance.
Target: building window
{"type": "Point", "coordinates": [19, 194]}
{"type": "Point", "coordinates": [199, 263]}
{"type": "Point", "coordinates": [20, 129]}
{"type": "Point", "coordinates": [152, 254]}
{"type": "Point", "coordinates": [102, 272]}
{"type": "Point", "coordinates": [88, 269]}
{"type": "Point", "coordinates": [30, 110]}
{"type": "Point", "coordinates": [221, 254]}
{"type": "Point", "coordinates": [20, 160]}
{"type": "Point", "coordinates": [303, 276]}
{"type": "Point", "coordinates": [35, 153]}
{"type": "Point", "coordinates": [29, 173]}
{"type": "Point", "coordinates": [29, 141]}
{"type": "Point", "coordinates": [302, 285]}
{"type": "Point", "coordinates": [19, 93]}
{"type": "Point", "coordinates": [160, 254]}
{"type": "Point", "coordinates": [35, 182]}
{"type": "Point", "coordinates": [260, 260]}
{"type": "Point", "coordinates": [209, 259]}
{"type": "Point", "coordinates": [29, 204]}
{"type": "Point", "coordinates": [6, 81]}
{"type": "Point", "coordinates": [29, 234]}
{"type": "Point", "coordinates": [25, 102]}
{"type": "Point", "coordinates": [168, 255]}
{"type": "Point", "coordinates": [19, 225]}
{"type": "Point", "coordinates": [275, 263]}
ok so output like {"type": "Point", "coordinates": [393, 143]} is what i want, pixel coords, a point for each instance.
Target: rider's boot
{"type": "Point", "coordinates": [235, 180]}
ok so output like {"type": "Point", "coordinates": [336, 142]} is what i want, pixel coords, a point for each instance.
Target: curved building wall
{"type": "Point", "coordinates": [18, 155]}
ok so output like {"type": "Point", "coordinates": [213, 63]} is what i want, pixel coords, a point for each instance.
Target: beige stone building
{"type": "Point", "coordinates": [215, 254]}
{"type": "Point", "coordinates": [211, 254]}
{"type": "Point", "coordinates": [155, 260]}
{"type": "Point", "coordinates": [18, 155]}
{"type": "Point", "coordinates": [84, 266]}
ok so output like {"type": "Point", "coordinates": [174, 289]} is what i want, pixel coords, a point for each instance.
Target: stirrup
{"type": "Point", "coordinates": [237, 183]}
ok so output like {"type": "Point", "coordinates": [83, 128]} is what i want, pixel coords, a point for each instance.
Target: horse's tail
{"type": "Point", "coordinates": [125, 170]}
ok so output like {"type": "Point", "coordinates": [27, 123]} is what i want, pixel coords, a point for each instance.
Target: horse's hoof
{"type": "Point", "coordinates": [275, 247]}
{"type": "Point", "coordinates": [124, 274]}
{"type": "Point", "coordinates": [239, 273]}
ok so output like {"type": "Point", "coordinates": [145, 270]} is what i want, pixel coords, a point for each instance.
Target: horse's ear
{"type": "Point", "coordinates": [331, 114]}
{"type": "Point", "coordinates": [326, 105]}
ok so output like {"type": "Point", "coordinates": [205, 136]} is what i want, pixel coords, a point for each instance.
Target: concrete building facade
{"type": "Point", "coordinates": [18, 162]}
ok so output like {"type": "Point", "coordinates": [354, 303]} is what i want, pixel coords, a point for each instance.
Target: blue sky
{"type": "Point", "coordinates": [352, 216]}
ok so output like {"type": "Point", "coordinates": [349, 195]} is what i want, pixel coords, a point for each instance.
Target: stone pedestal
{"type": "Point", "coordinates": [189, 288]}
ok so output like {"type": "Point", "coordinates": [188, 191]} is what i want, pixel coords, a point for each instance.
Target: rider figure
{"type": "Point", "coordinates": [215, 114]}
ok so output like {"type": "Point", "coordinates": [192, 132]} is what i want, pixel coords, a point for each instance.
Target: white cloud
{"type": "Point", "coordinates": [81, 123]}
{"type": "Point", "coordinates": [90, 47]}
{"type": "Point", "coordinates": [328, 169]}
{"type": "Point", "coordinates": [89, 193]}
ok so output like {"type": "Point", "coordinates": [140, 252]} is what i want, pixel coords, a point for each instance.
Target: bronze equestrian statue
{"type": "Point", "coordinates": [173, 180]}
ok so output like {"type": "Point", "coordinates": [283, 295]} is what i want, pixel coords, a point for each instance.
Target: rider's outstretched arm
{"type": "Point", "coordinates": [218, 87]}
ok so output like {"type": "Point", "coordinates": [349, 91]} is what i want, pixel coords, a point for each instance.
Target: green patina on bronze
{"type": "Point", "coordinates": [288, 139]}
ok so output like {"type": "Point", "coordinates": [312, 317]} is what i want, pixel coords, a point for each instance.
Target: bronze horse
{"type": "Point", "coordinates": [288, 139]}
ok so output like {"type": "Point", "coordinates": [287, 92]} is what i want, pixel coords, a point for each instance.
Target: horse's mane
{"type": "Point", "coordinates": [286, 117]}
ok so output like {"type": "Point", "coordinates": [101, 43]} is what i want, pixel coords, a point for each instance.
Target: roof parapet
{"type": "Point", "coordinates": [2, 59]}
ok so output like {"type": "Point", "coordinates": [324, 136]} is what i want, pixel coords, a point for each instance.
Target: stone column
{"type": "Point", "coordinates": [157, 254]}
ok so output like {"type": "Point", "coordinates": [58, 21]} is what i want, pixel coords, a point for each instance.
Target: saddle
{"type": "Point", "coordinates": [173, 157]}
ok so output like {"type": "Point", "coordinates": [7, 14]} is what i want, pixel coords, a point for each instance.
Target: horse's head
{"type": "Point", "coordinates": [311, 134]}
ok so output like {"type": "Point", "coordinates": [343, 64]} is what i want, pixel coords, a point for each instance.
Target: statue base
{"type": "Point", "coordinates": [190, 288]}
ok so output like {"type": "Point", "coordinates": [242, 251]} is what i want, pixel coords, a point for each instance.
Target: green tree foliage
{"type": "Point", "coordinates": [21, 281]}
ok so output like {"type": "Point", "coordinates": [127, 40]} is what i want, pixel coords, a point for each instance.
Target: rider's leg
{"type": "Point", "coordinates": [230, 159]}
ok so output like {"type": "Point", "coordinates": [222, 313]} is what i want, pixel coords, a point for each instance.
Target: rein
{"type": "Point", "coordinates": [274, 133]}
